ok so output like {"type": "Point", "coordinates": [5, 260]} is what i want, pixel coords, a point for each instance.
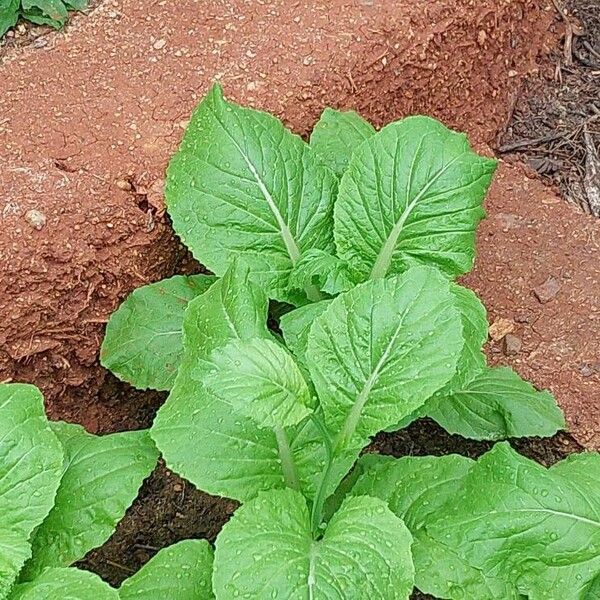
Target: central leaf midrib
{"type": "Point", "coordinates": [351, 421]}
{"type": "Point", "coordinates": [384, 258]}
{"type": "Point", "coordinates": [286, 235]}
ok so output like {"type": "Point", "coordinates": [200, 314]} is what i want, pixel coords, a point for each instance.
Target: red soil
{"type": "Point", "coordinates": [103, 106]}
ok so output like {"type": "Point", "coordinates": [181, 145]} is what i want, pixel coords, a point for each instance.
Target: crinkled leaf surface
{"type": "Point", "coordinates": [9, 14]}
{"type": "Point", "coordinates": [143, 342]}
{"type": "Point", "coordinates": [337, 135]}
{"type": "Point", "coordinates": [497, 404]}
{"type": "Point", "coordinates": [412, 194]}
{"type": "Point", "coordinates": [471, 361]}
{"type": "Point", "coordinates": [180, 572]}
{"type": "Point", "coordinates": [259, 379]}
{"type": "Point", "coordinates": [65, 584]}
{"type": "Point", "coordinates": [266, 550]}
{"type": "Point", "coordinates": [101, 478]}
{"type": "Point", "coordinates": [417, 489]}
{"type": "Point", "coordinates": [30, 468]}
{"type": "Point", "coordinates": [382, 349]}
{"type": "Point", "coordinates": [537, 528]}
{"type": "Point", "coordinates": [241, 185]}
{"type": "Point", "coordinates": [200, 437]}
{"type": "Point", "coordinates": [326, 272]}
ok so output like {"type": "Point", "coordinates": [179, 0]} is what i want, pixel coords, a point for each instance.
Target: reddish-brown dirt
{"type": "Point", "coordinates": [102, 106]}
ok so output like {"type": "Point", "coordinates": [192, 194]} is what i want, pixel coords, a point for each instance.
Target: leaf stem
{"type": "Point", "coordinates": [317, 507]}
{"type": "Point", "coordinates": [313, 294]}
{"type": "Point", "coordinates": [290, 476]}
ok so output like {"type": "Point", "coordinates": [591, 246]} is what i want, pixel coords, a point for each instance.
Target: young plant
{"type": "Point", "coordinates": [363, 233]}
{"type": "Point", "coordinates": [42, 12]}
{"type": "Point", "coordinates": [311, 221]}
{"type": "Point", "coordinates": [62, 493]}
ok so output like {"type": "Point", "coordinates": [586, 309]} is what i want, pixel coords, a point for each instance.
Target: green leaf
{"type": "Point", "coordinates": [65, 584]}
{"type": "Point", "coordinates": [324, 271]}
{"type": "Point", "coordinates": [76, 4]}
{"type": "Point", "coordinates": [241, 185]}
{"type": "Point", "coordinates": [497, 404]}
{"type": "Point", "coordinates": [295, 326]}
{"type": "Point", "coordinates": [180, 572]}
{"type": "Point", "coordinates": [412, 195]}
{"type": "Point", "coordinates": [266, 550]}
{"type": "Point", "coordinates": [260, 380]}
{"type": "Point", "coordinates": [143, 342]}
{"type": "Point", "coordinates": [473, 317]}
{"type": "Point", "coordinates": [417, 489]}
{"type": "Point", "coordinates": [537, 528]}
{"type": "Point", "coordinates": [382, 349]}
{"type": "Point", "coordinates": [9, 14]}
{"type": "Point", "coordinates": [45, 12]}
{"type": "Point", "coordinates": [30, 469]}
{"type": "Point", "coordinates": [102, 476]}
{"type": "Point", "coordinates": [336, 137]}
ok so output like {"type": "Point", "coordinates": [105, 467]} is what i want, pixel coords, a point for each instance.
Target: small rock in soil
{"type": "Point", "coordinates": [511, 344]}
{"type": "Point", "coordinates": [500, 327]}
{"type": "Point", "coordinates": [124, 185]}
{"type": "Point", "coordinates": [35, 218]}
{"type": "Point", "coordinates": [547, 290]}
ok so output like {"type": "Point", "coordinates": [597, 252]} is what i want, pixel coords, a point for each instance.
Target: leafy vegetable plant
{"type": "Point", "coordinates": [360, 233]}
{"type": "Point", "coordinates": [43, 12]}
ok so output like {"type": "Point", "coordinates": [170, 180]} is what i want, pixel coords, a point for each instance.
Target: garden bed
{"type": "Point", "coordinates": [83, 222]}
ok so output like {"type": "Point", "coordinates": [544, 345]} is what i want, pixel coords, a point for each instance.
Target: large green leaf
{"type": "Point", "coordinates": [337, 135]}
{"type": "Point", "coordinates": [412, 194]}
{"type": "Point", "coordinates": [241, 185]}
{"type": "Point", "coordinates": [180, 572]}
{"type": "Point", "coordinates": [267, 551]}
{"type": "Point", "coordinates": [379, 351]}
{"type": "Point", "coordinates": [497, 404]}
{"type": "Point", "coordinates": [260, 380]}
{"type": "Point", "coordinates": [101, 478]}
{"type": "Point", "coordinates": [417, 489]}
{"type": "Point", "coordinates": [9, 14]}
{"type": "Point", "coordinates": [200, 437]}
{"type": "Point", "coordinates": [65, 584]}
{"type": "Point", "coordinates": [30, 469]}
{"type": "Point", "coordinates": [143, 342]}
{"type": "Point", "coordinates": [537, 528]}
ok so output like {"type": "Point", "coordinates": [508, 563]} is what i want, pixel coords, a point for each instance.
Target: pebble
{"type": "Point", "coordinates": [159, 44]}
{"type": "Point", "coordinates": [35, 218]}
{"type": "Point", "coordinates": [511, 344]}
{"type": "Point", "coordinates": [124, 185]}
{"type": "Point", "coordinates": [547, 290]}
{"type": "Point", "coordinates": [501, 327]}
